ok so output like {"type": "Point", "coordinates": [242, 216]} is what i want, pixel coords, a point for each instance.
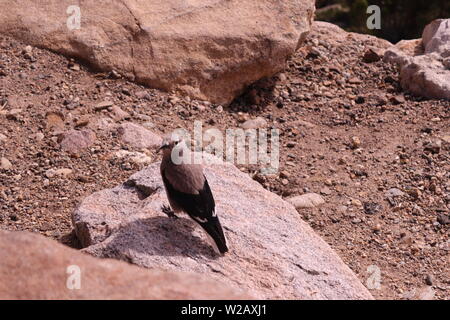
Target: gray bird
{"type": "Point", "coordinates": [188, 191]}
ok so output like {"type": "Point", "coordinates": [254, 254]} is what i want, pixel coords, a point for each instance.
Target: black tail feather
{"type": "Point", "coordinates": [214, 229]}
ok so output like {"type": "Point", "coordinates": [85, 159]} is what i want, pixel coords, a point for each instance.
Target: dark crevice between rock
{"type": "Point", "coordinates": [308, 271]}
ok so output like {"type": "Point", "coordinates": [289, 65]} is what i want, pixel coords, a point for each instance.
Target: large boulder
{"type": "Point", "coordinates": [208, 49]}
{"type": "Point", "coordinates": [273, 253]}
{"type": "Point", "coordinates": [34, 267]}
{"type": "Point", "coordinates": [427, 72]}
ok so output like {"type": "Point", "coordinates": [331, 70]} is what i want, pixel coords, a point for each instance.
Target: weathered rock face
{"type": "Point", "coordinates": [274, 254]}
{"type": "Point", "coordinates": [34, 267]}
{"type": "Point", "coordinates": [208, 49]}
{"type": "Point", "coordinates": [426, 72]}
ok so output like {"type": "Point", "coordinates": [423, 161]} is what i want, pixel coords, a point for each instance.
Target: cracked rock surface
{"type": "Point", "coordinates": [273, 253]}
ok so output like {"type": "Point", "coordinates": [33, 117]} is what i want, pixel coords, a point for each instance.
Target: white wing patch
{"type": "Point", "coordinates": [200, 220]}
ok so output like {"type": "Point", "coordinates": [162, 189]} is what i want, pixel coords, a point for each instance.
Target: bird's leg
{"type": "Point", "coordinates": [169, 212]}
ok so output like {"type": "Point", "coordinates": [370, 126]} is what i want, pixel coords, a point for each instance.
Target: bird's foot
{"type": "Point", "coordinates": [169, 212]}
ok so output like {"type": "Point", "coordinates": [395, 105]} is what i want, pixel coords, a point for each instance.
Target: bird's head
{"type": "Point", "coordinates": [169, 142]}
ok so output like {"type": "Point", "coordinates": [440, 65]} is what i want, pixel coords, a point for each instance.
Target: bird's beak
{"type": "Point", "coordinates": [161, 147]}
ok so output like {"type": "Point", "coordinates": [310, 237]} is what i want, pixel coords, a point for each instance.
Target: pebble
{"type": "Point", "coordinates": [433, 146]}
{"type": "Point", "coordinates": [64, 172]}
{"type": "Point", "coordinates": [142, 94]}
{"type": "Point", "coordinates": [308, 200]}
{"type": "Point", "coordinates": [355, 142]}
{"type": "Point", "coordinates": [372, 55]}
{"type": "Point", "coordinates": [429, 279]}
{"type": "Point", "coordinates": [39, 136]}
{"type": "Point", "coordinates": [118, 114]}
{"type": "Point", "coordinates": [291, 144]}
{"type": "Point", "coordinates": [5, 164]}
{"type": "Point", "coordinates": [393, 193]}
{"type": "Point", "coordinates": [256, 123]}
{"type": "Point", "coordinates": [399, 99]}
{"type": "Point", "coordinates": [103, 105]}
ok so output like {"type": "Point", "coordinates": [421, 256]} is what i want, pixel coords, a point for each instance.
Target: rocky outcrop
{"type": "Point", "coordinates": [34, 267]}
{"type": "Point", "coordinates": [427, 72]}
{"type": "Point", "coordinates": [336, 35]}
{"type": "Point", "coordinates": [273, 253]}
{"type": "Point", "coordinates": [207, 49]}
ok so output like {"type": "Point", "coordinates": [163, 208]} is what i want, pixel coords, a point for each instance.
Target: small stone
{"type": "Point", "coordinates": [75, 141]}
{"type": "Point", "coordinates": [103, 105]}
{"type": "Point", "coordinates": [377, 228]}
{"type": "Point", "coordinates": [415, 193]}
{"type": "Point", "coordinates": [360, 99]}
{"type": "Point", "coordinates": [445, 138]}
{"type": "Point", "coordinates": [399, 99]}
{"type": "Point", "coordinates": [74, 66]}
{"type": "Point", "coordinates": [308, 200]}
{"type": "Point", "coordinates": [118, 114]}
{"type": "Point", "coordinates": [354, 81]}
{"type": "Point", "coordinates": [356, 202]}
{"type": "Point", "coordinates": [137, 136]}
{"type": "Point", "coordinates": [394, 192]}
{"type": "Point", "coordinates": [13, 114]}
{"type": "Point", "coordinates": [55, 120]}
{"type": "Point", "coordinates": [371, 207]}
{"type": "Point", "coordinates": [325, 191]}
{"type": "Point", "coordinates": [256, 123]}
{"type": "Point", "coordinates": [135, 157]}
{"type": "Point", "coordinates": [28, 49]}
{"type": "Point", "coordinates": [425, 293]}
{"type": "Point", "coordinates": [39, 136]}
{"type": "Point", "coordinates": [5, 164]}
{"type": "Point", "coordinates": [51, 173]}
{"type": "Point", "coordinates": [429, 279]}
{"type": "Point", "coordinates": [355, 142]}
{"type": "Point", "coordinates": [446, 63]}
{"type": "Point", "coordinates": [285, 174]}
{"type": "Point", "coordinates": [372, 55]}
{"type": "Point", "coordinates": [142, 94]}
{"type": "Point", "coordinates": [291, 144]}
{"type": "Point", "coordinates": [433, 146]}
{"type": "Point", "coordinates": [443, 219]}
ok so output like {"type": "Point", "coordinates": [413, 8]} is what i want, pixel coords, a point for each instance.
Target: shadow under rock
{"type": "Point", "coordinates": [71, 240]}
{"type": "Point", "coordinates": [157, 236]}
